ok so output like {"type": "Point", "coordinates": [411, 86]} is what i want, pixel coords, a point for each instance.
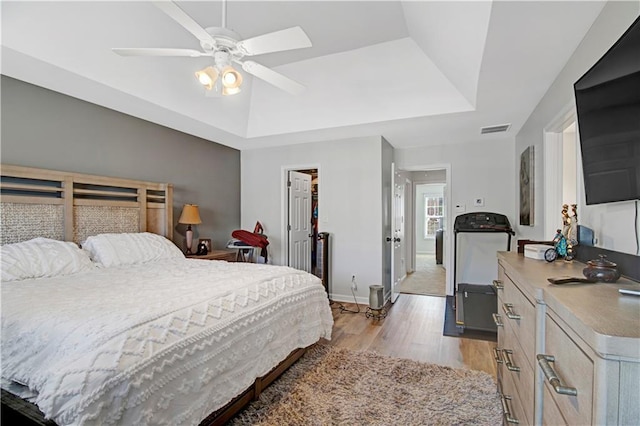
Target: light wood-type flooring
{"type": "Point", "coordinates": [412, 329]}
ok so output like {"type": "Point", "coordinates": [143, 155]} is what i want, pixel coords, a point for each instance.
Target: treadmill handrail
{"type": "Point", "coordinates": [487, 229]}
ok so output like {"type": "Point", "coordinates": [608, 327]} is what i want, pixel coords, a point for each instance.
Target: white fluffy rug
{"type": "Point", "coordinates": [331, 386]}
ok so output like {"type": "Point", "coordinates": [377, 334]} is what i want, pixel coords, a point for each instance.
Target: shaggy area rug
{"type": "Point", "coordinates": [331, 386]}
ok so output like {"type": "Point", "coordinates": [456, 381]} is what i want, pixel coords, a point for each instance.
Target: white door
{"type": "Point", "coordinates": [399, 269]}
{"type": "Point", "coordinates": [397, 232]}
{"type": "Point", "coordinates": [300, 221]}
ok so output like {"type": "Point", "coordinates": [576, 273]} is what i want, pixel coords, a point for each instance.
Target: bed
{"type": "Point", "coordinates": [126, 330]}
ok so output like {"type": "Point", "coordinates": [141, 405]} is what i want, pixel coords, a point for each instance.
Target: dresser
{"type": "Point", "coordinates": [566, 354]}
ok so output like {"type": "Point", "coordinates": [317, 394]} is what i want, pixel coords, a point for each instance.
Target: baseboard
{"type": "Point", "coordinates": [349, 299]}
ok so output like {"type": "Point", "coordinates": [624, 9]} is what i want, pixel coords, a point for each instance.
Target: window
{"type": "Point", "coordinates": [433, 214]}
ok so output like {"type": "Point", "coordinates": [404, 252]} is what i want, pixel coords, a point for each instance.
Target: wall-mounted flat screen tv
{"type": "Point", "coordinates": [608, 108]}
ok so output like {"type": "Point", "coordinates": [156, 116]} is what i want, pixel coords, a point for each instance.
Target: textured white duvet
{"type": "Point", "coordinates": [159, 343]}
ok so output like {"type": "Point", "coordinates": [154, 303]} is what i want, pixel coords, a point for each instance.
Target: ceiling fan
{"type": "Point", "coordinates": [226, 47]}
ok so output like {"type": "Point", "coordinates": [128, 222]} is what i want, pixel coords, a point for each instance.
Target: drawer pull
{"type": "Point", "coordinates": [498, 285]}
{"type": "Point", "coordinates": [508, 309]}
{"type": "Point", "coordinates": [505, 408]}
{"type": "Point", "coordinates": [497, 318]}
{"type": "Point", "coordinates": [496, 356]}
{"type": "Point", "coordinates": [552, 377]}
{"type": "Point", "coordinates": [508, 362]}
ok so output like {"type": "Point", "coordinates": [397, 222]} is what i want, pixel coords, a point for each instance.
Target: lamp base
{"type": "Point", "coordinates": [189, 235]}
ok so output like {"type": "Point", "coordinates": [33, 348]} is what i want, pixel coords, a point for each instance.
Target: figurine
{"type": "Point", "coordinates": [566, 238]}
{"type": "Point", "coordinates": [570, 224]}
{"type": "Point", "coordinates": [202, 249]}
{"type": "Point", "coordinates": [561, 247]}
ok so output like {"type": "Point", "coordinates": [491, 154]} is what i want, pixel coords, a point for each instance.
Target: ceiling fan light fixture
{"type": "Point", "coordinates": [226, 47]}
{"type": "Point", "coordinates": [226, 91]}
{"type": "Point", "coordinates": [207, 77]}
{"type": "Point", "coordinates": [231, 78]}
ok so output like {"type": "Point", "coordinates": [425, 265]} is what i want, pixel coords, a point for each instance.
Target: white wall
{"type": "Point", "coordinates": [612, 223]}
{"type": "Point", "coordinates": [429, 176]}
{"type": "Point", "coordinates": [480, 169]}
{"type": "Point", "coordinates": [349, 200]}
{"type": "Point", "coordinates": [569, 167]}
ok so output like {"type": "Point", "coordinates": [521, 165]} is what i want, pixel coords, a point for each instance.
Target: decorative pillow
{"type": "Point", "coordinates": [128, 249]}
{"type": "Point", "coordinates": [42, 257]}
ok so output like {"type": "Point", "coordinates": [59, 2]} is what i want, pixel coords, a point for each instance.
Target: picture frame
{"type": "Point", "coordinates": [527, 189]}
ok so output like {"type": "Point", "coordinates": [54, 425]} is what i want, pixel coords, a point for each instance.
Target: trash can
{"type": "Point", "coordinates": [376, 297]}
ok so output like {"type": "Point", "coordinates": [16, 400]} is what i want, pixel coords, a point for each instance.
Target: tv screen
{"type": "Point", "coordinates": [608, 109]}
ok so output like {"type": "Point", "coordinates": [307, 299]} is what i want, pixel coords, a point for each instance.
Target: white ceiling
{"type": "Point", "coordinates": [416, 72]}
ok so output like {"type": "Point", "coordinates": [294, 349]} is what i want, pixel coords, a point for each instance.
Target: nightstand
{"type": "Point", "coordinates": [228, 255]}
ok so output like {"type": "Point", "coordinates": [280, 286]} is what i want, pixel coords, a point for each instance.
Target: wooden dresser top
{"type": "Point", "coordinates": [608, 321]}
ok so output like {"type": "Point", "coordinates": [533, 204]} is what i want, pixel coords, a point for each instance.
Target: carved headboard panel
{"type": "Point", "coordinates": [73, 206]}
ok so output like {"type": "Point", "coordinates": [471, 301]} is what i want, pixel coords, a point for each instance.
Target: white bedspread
{"type": "Point", "coordinates": [161, 343]}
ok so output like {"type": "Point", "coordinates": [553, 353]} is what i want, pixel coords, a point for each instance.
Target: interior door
{"type": "Point", "coordinates": [397, 232]}
{"type": "Point", "coordinates": [300, 232]}
{"type": "Point", "coordinates": [399, 269]}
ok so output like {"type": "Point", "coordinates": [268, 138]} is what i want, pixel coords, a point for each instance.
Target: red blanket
{"type": "Point", "coordinates": [253, 239]}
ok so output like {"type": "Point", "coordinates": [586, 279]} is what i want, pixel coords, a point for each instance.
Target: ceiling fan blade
{"type": "Point", "coordinates": [178, 15]}
{"type": "Point", "coordinates": [291, 38]}
{"type": "Point", "coordinates": [152, 51]}
{"type": "Point", "coordinates": [274, 78]}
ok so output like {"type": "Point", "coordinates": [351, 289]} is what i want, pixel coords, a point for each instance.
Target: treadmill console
{"type": "Point", "coordinates": [482, 222]}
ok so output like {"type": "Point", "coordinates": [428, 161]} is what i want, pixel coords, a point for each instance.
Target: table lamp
{"type": "Point", "coordinates": [190, 216]}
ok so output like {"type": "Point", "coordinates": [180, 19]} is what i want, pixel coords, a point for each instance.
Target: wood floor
{"type": "Point", "coordinates": [412, 329]}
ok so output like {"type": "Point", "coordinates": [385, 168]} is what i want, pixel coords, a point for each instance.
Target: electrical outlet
{"type": "Point", "coordinates": [354, 285]}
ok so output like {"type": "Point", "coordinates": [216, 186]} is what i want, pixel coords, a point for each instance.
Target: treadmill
{"type": "Point", "coordinates": [475, 304]}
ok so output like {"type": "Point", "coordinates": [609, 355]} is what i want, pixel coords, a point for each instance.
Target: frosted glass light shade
{"type": "Point", "coordinates": [207, 77]}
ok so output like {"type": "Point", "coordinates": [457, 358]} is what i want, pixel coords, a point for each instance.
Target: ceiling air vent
{"type": "Point", "coordinates": [495, 129]}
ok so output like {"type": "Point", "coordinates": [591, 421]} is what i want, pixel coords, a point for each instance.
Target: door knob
{"type": "Point", "coordinates": [397, 240]}
{"type": "Point", "coordinates": [388, 239]}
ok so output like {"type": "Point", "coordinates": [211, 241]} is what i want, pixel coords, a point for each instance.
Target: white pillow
{"type": "Point", "coordinates": [42, 257]}
{"type": "Point", "coordinates": [128, 249]}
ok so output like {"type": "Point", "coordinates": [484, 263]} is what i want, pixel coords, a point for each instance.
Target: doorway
{"type": "Point", "coordinates": [301, 242]}
{"type": "Point", "coordinates": [427, 254]}
{"type": "Point", "coordinates": [562, 169]}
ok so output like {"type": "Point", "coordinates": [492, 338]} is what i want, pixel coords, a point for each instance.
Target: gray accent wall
{"type": "Point", "coordinates": [46, 129]}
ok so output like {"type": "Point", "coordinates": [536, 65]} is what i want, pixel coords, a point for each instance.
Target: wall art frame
{"type": "Point", "coordinates": [527, 190]}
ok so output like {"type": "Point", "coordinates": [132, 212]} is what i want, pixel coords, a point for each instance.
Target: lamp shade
{"type": "Point", "coordinates": [231, 78]}
{"type": "Point", "coordinates": [190, 215]}
{"type": "Point", "coordinates": [207, 77]}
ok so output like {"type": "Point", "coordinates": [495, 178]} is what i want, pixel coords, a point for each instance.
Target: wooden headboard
{"type": "Point", "coordinates": [72, 206]}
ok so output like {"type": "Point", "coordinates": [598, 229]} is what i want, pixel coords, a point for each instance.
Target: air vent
{"type": "Point", "coordinates": [495, 129]}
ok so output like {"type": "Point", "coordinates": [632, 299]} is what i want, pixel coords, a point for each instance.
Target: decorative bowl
{"type": "Point", "coordinates": [601, 270]}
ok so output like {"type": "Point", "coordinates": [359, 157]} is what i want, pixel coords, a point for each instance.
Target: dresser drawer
{"type": "Point", "coordinates": [512, 403]}
{"type": "Point", "coordinates": [519, 314]}
{"type": "Point", "coordinates": [516, 366]}
{"type": "Point", "coordinates": [550, 412]}
{"type": "Point", "coordinates": [574, 369]}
